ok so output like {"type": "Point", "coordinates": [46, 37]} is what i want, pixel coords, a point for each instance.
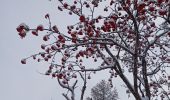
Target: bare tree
{"type": "Point", "coordinates": [126, 37]}
{"type": "Point", "coordinates": [104, 91]}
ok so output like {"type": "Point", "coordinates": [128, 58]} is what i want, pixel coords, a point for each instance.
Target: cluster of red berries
{"type": "Point", "coordinates": [22, 29]}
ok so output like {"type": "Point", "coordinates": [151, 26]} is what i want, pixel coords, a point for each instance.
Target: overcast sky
{"type": "Point", "coordinates": [23, 82]}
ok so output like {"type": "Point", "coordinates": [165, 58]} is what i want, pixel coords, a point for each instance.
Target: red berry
{"type": "Point", "coordinates": [34, 32]}
{"type": "Point", "coordinates": [59, 8]}
{"type": "Point", "coordinates": [22, 34]}
{"type": "Point", "coordinates": [77, 56]}
{"type": "Point", "coordinates": [168, 34]}
{"type": "Point", "coordinates": [22, 27]}
{"type": "Point", "coordinates": [152, 24]}
{"type": "Point", "coordinates": [39, 60]}
{"type": "Point", "coordinates": [42, 54]}
{"type": "Point", "coordinates": [65, 5]}
{"type": "Point", "coordinates": [151, 8]}
{"type": "Point", "coordinates": [162, 12]}
{"type": "Point", "coordinates": [46, 58]}
{"type": "Point", "coordinates": [23, 61]}
{"type": "Point", "coordinates": [45, 38]}
{"type": "Point", "coordinates": [141, 6]}
{"type": "Point", "coordinates": [111, 2]}
{"type": "Point", "coordinates": [53, 47]}
{"type": "Point", "coordinates": [75, 2]}
{"type": "Point", "coordinates": [60, 75]}
{"type": "Point", "coordinates": [168, 77]}
{"type": "Point", "coordinates": [55, 29]}
{"type": "Point", "coordinates": [19, 29]}
{"type": "Point", "coordinates": [40, 28]}
{"type": "Point", "coordinates": [80, 33]}
{"type": "Point", "coordinates": [82, 18]}
{"type": "Point", "coordinates": [34, 57]}
{"type": "Point", "coordinates": [160, 1]}
{"type": "Point", "coordinates": [43, 46]}
{"type": "Point", "coordinates": [106, 9]}
{"type": "Point", "coordinates": [89, 77]}
{"type": "Point", "coordinates": [47, 16]}
{"type": "Point", "coordinates": [74, 75]}
{"type": "Point", "coordinates": [87, 5]}
{"type": "Point", "coordinates": [60, 37]}
{"type": "Point", "coordinates": [72, 7]}
{"type": "Point", "coordinates": [81, 53]}
{"type": "Point", "coordinates": [53, 75]}
{"type": "Point", "coordinates": [48, 50]}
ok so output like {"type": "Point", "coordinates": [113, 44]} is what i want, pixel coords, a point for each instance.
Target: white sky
{"type": "Point", "coordinates": [23, 82]}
